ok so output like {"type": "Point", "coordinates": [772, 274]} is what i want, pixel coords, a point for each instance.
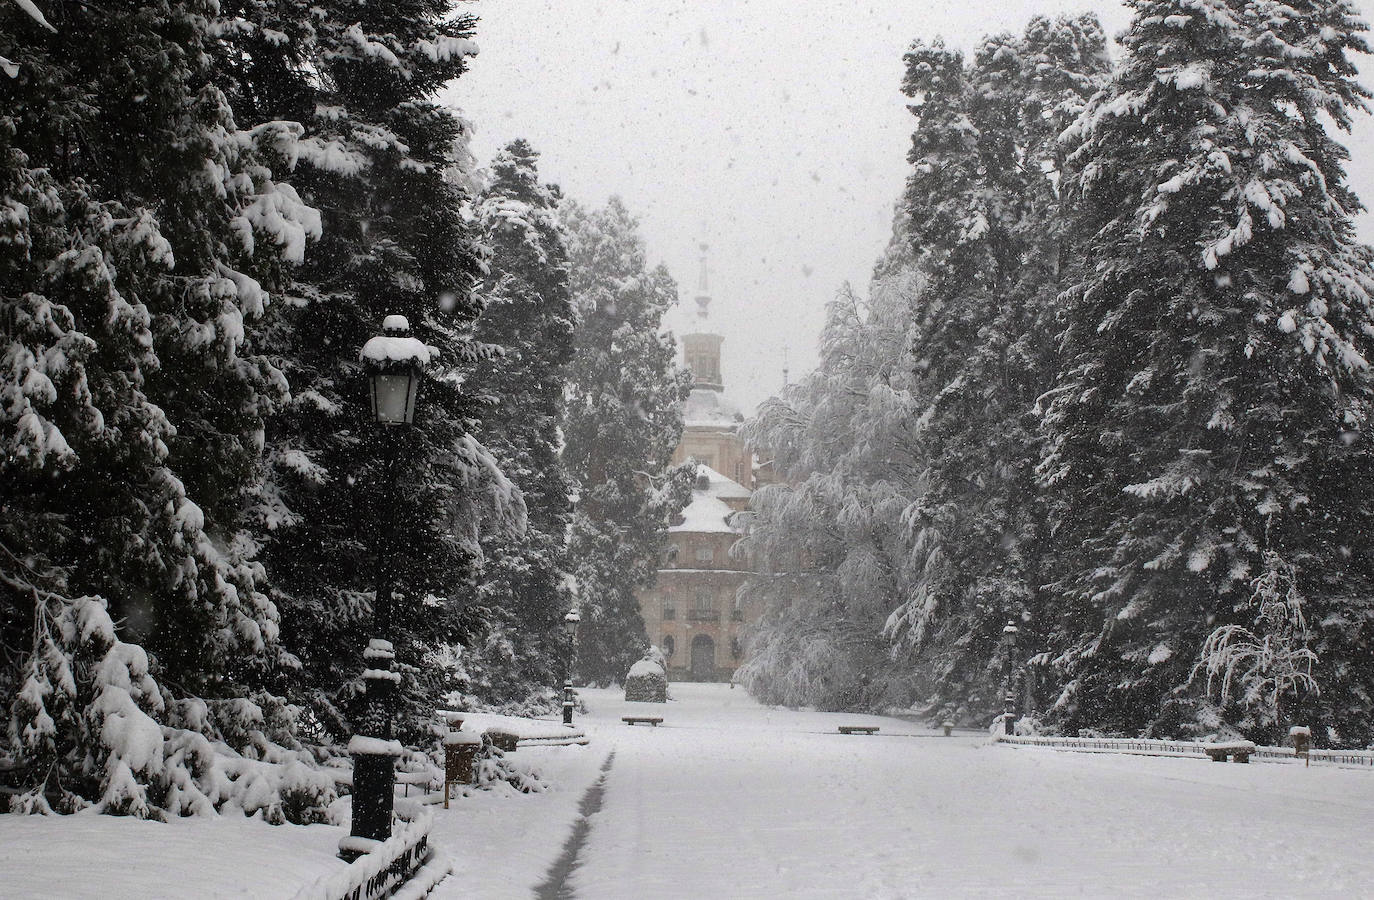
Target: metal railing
{"type": "Point", "coordinates": [1152, 747]}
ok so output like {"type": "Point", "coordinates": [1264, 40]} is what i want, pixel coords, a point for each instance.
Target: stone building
{"type": "Point", "coordinates": [691, 612]}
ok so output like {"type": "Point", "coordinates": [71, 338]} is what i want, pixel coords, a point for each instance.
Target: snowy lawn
{"type": "Point", "coordinates": [109, 858]}
{"type": "Point", "coordinates": [728, 798]}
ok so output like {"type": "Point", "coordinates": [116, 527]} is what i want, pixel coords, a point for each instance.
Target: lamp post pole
{"type": "Point", "coordinates": [394, 361]}
{"type": "Point", "coordinates": [570, 625]}
{"type": "Point", "coordinates": [1009, 700]}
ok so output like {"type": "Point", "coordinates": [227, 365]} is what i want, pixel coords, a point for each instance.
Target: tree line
{"type": "Point", "coordinates": [208, 207]}
{"type": "Point", "coordinates": [1110, 382]}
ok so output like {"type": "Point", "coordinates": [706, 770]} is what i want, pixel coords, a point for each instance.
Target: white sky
{"type": "Point", "coordinates": [775, 130]}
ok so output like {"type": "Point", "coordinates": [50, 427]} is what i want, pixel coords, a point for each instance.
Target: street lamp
{"type": "Point", "coordinates": [1009, 703]}
{"type": "Point", "coordinates": [394, 362]}
{"type": "Point", "coordinates": [570, 625]}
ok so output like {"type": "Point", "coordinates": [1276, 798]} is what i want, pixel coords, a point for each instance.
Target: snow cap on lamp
{"type": "Point", "coordinates": [394, 360]}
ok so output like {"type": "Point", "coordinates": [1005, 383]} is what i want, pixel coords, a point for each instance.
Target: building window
{"type": "Point", "coordinates": [705, 554]}
{"type": "Point", "coordinates": [669, 646]}
{"type": "Point", "coordinates": [669, 611]}
{"type": "Point", "coordinates": [706, 601]}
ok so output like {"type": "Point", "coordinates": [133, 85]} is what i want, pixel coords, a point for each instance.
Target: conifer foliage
{"type": "Point", "coordinates": [624, 417]}
{"type": "Point", "coordinates": [1210, 422]}
{"type": "Point", "coordinates": [1136, 413]}
{"type": "Point", "coordinates": [389, 169]}
{"type": "Point", "coordinates": [138, 221]}
{"type": "Point", "coordinates": [981, 209]}
{"type": "Point", "coordinates": [525, 585]}
{"type": "Point", "coordinates": [921, 412]}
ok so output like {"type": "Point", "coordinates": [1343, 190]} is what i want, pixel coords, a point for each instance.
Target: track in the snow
{"type": "Point", "coordinates": [555, 884]}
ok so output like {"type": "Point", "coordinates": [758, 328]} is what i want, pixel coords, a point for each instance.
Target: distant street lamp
{"type": "Point", "coordinates": [394, 362]}
{"type": "Point", "coordinates": [1009, 703]}
{"type": "Point", "coordinates": [570, 625]}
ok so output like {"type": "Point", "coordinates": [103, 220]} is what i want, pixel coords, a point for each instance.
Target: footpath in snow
{"type": "Point", "coordinates": [731, 799]}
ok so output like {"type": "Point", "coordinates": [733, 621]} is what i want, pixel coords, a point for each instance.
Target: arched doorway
{"type": "Point", "coordinates": [703, 658]}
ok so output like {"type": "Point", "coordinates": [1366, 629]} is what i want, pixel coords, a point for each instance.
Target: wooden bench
{"type": "Point", "coordinates": [858, 729]}
{"type": "Point", "coordinates": [1237, 750]}
{"type": "Point", "coordinates": [642, 720]}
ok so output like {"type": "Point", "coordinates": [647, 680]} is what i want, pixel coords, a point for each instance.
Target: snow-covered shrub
{"type": "Point", "coordinates": [90, 728]}
{"type": "Point", "coordinates": [495, 768]}
{"type": "Point", "coordinates": [646, 682]}
{"type": "Point", "coordinates": [1257, 667]}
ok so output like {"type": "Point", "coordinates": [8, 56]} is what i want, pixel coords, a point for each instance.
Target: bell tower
{"type": "Point", "coordinates": [701, 348]}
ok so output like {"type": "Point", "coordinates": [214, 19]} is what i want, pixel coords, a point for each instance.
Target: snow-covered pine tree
{"type": "Point", "coordinates": [981, 211]}
{"type": "Point", "coordinates": [1211, 417]}
{"type": "Point", "coordinates": [139, 220]}
{"type": "Point", "coordinates": [524, 588]}
{"type": "Point", "coordinates": [388, 168]}
{"type": "Point", "coordinates": [623, 420]}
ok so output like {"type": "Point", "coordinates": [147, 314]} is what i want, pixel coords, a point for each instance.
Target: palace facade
{"type": "Point", "coordinates": [691, 612]}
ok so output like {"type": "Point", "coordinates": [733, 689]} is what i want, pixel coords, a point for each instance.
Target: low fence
{"type": "Point", "coordinates": [403, 867]}
{"type": "Point", "coordinates": [1150, 747]}
{"type": "Point", "coordinates": [1344, 757]}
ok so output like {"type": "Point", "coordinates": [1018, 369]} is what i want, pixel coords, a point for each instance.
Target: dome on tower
{"type": "Point", "coordinates": [706, 407]}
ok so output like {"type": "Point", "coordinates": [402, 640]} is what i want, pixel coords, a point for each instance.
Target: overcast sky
{"type": "Point", "coordinates": [774, 130]}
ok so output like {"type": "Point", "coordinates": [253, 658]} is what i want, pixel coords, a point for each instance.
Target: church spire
{"type": "Point", "coordinates": [703, 297]}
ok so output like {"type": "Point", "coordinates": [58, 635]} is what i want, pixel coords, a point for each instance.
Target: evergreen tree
{"type": "Point", "coordinates": [624, 418]}
{"type": "Point", "coordinates": [1209, 424]}
{"type": "Point", "coordinates": [981, 211]}
{"type": "Point", "coordinates": [140, 223]}
{"type": "Point", "coordinates": [388, 168]}
{"type": "Point", "coordinates": [525, 587]}
{"type": "Point", "coordinates": [921, 448]}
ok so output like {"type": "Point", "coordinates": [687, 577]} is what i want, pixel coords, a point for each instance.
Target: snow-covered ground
{"type": "Point", "coordinates": [731, 799]}
{"type": "Point", "coordinates": [91, 857]}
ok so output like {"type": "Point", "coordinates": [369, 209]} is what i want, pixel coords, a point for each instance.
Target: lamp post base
{"type": "Point", "coordinates": [374, 758]}
{"type": "Point", "coordinates": [373, 798]}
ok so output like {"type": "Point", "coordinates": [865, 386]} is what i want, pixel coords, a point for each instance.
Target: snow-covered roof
{"type": "Point", "coordinates": [719, 485]}
{"type": "Point", "coordinates": [708, 408]}
{"type": "Point", "coordinates": [708, 511]}
{"type": "Point", "coordinates": [705, 514]}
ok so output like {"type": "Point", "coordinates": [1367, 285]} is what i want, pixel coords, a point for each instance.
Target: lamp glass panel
{"type": "Point", "coordinates": [393, 398]}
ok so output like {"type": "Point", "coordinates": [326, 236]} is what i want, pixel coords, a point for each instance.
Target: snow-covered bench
{"type": "Point", "coordinates": [858, 729]}
{"type": "Point", "coordinates": [642, 720]}
{"type": "Point", "coordinates": [1238, 750]}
